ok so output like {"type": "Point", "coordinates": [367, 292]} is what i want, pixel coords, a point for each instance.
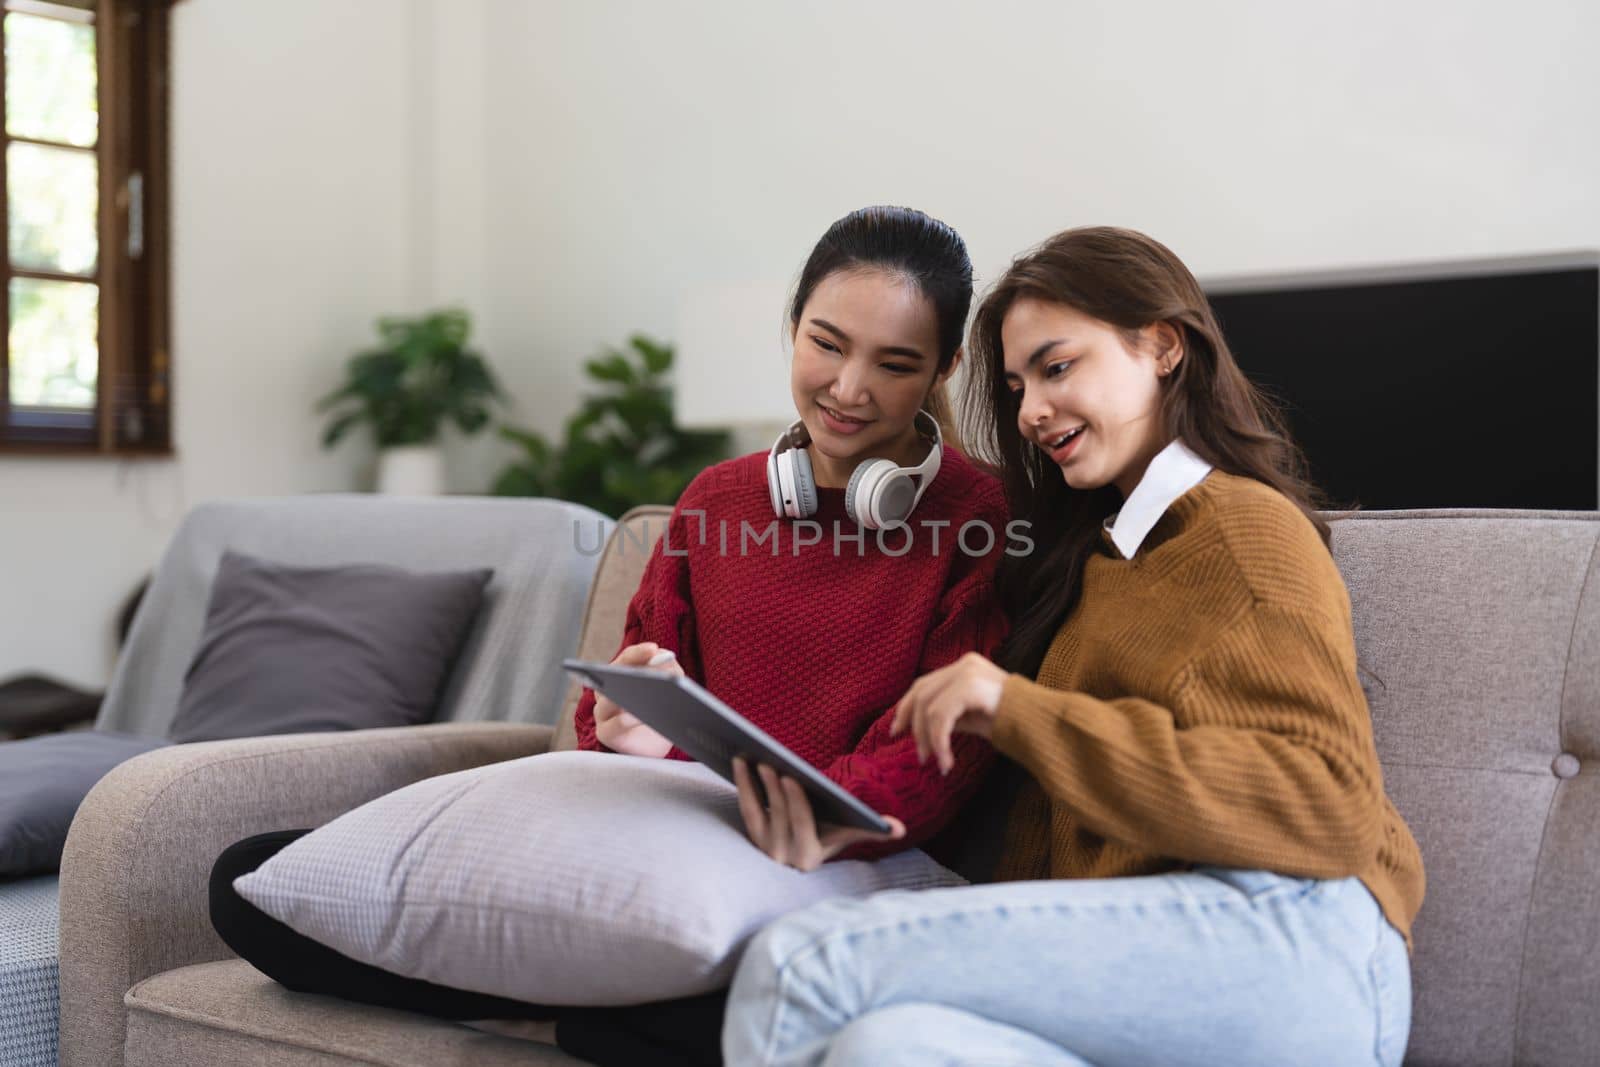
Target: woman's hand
{"type": "Point", "coordinates": [783, 826]}
{"type": "Point", "coordinates": [963, 697]}
{"type": "Point", "coordinates": [621, 731]}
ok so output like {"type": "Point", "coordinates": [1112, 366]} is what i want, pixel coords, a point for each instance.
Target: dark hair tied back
{"type": "Point", "coordinates": [909, 243]}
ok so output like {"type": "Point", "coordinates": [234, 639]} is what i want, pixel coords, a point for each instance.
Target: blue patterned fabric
{"type": "Point", "coordinates": [30, 1008]}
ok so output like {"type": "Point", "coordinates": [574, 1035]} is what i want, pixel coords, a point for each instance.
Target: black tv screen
{"type": "Point", "coordinates": [1472, 385]}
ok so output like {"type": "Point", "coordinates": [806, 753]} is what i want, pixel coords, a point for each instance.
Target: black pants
{"type": "Point", "coordinates": [672, 1033]}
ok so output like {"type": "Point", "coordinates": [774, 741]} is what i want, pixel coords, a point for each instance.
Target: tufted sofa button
{"type": "Point", "coordinates": [1565, 765]}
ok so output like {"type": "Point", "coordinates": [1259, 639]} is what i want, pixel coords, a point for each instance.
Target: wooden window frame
{"type": "Point", "coordinates": [133, 391]}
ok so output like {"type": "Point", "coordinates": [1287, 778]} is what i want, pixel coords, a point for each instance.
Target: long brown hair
{"type": "Point", "coordinates": [1128, 281]}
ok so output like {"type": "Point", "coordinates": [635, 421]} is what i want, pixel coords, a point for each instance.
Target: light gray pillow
{"type": "Point", "coordinates": [304, 649]}
{"type": "Point", "coordinates": [570, 878]}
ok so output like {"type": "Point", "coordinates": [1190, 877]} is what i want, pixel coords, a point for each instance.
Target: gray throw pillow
{"type": "Point", "coordinates": [570, 878]}
{"type": "Point", "coordinates": [42, 782]}
{"type": "Point", "coordinates": [301, 649]}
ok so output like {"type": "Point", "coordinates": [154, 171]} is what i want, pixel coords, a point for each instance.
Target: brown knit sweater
{"type": "Point", "coordinates": [1201, 706]}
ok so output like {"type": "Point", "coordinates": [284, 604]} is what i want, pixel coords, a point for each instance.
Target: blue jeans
{"type": "Point", "coordinates": [1208, 966]}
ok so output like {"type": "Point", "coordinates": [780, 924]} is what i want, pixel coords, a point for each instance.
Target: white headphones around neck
{"type": "Point", "coordinates": [880, 493]}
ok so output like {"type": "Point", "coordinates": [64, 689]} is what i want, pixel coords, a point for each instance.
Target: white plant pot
{"type": "Point", "coordinates": [411, 470]}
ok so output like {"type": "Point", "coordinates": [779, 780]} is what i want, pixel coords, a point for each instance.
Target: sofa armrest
{"type": "Point", "coordinates": [134, 876]}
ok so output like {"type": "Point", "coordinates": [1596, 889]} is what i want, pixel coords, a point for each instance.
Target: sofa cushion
{"type": "Point", "coordinates": [290, 650]}
{"type": "Point", "coordinates": [29, 972]}
{"type": "Point", "coordinates": [1478, 639]}
{"type": "Point", "coordinates": [567, 878]}
{"type": "Point", "coordinates": [229, 1012]}
{"type": "Point", "coordinates": [42, 782]}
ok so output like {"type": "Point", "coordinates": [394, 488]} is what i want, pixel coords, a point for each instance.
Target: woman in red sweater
{"type": "Point", "coordinates": [807, 587]}
{"type": "Point", "coordinates": [812, 624]}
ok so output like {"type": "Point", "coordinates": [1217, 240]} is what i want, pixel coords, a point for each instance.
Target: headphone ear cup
{"type": "Point", "coordinates": [774, 485]}
{"type": "Point", "coordinates": [805, 486]}
{"type": "Point", "coordinates": [893, 497]}
{"type": "Point", "coordinates": [787, 501]}
{"type": "Point", "coordinates": [858, 494]}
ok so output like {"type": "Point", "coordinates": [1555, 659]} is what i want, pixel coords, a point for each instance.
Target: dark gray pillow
{"type": "Point", "coordinates": [42, 782]}
{"type": "Point", "coordinates": [300, 649]}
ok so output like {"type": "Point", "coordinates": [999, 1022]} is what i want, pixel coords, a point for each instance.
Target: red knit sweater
{"type": "Point", "coordinates": [815, 645]}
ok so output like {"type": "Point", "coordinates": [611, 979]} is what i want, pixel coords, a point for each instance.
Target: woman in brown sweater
{"type": "Point", "coordinates": [1199, 864]}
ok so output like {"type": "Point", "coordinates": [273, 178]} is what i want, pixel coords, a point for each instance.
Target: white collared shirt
{"type": "Point", "coordinates": [1173, 472]}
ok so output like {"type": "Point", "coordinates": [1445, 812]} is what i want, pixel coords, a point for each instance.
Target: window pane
{"type": "Point", "coordinates": [54, 343]}
{"type": "Point", "coordinates": [52, 200]}
{"type": "Point", "coordinates": [50, 80]}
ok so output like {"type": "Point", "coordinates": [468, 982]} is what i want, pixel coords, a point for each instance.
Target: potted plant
{"type": "Point", "coordinates": [623, 446]}
{"type": "Point", "coordinates": [421, 374]}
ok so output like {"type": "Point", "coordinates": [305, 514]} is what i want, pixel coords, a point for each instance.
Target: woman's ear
{"type": "Point", "coordinates": [1166, 344]}
{"type": "Point", "coordinates": [955, 361]}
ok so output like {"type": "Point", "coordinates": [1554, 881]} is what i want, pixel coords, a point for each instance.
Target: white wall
{"type": "Point", "coordinates": [293, 143]}
{"type": "Point", "coordinates": [640, 149]}
{"type": "Point", "coordinates": [571, 168]}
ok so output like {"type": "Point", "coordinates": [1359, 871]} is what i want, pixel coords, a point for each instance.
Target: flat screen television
{"type": "Point", "coordinates": [1449, 385]}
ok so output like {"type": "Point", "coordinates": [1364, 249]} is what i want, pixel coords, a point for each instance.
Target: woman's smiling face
{"type": "Point", "coordinates": [865, 356]}
{"type": "Point", "coordinates": [1086, 396]}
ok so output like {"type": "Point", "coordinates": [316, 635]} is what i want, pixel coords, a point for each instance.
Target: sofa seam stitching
{"type": "Point", "coordinates": [1541, 773]}
{"type": "Point", "coordinates": [1572, 637]}
{"type": "Point", "coordinates": [1527, 925]}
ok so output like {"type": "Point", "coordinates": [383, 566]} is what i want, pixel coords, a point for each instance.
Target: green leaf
{"type": "Point", "coordinates": [657, 357]}
{"type": "Point", "coordinates": [333, 399]}
{"type": "Point", "coordinates": [452, 326]}
{"type": "Point", "coordinates": [339, 427]}
{"type": "Point", "coordinates": [612, 368]}
{"type": "Point", "coordinates": [471, 377]}
{"type": "Point", "coordinates": [419, 375]}
{"type": "Point", "coordinates": [471, 420]}
{"type": "Point", "coordinates": [528, 439]}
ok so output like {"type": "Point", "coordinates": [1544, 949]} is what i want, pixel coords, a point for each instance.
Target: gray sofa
{"type": "Point", "coordinates": [509, 668]}
{"type": "Point", "coordinates": [1479, 638]}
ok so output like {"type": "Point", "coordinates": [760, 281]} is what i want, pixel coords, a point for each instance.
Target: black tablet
{"type": "Point", "coordinates": [683, 712]}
